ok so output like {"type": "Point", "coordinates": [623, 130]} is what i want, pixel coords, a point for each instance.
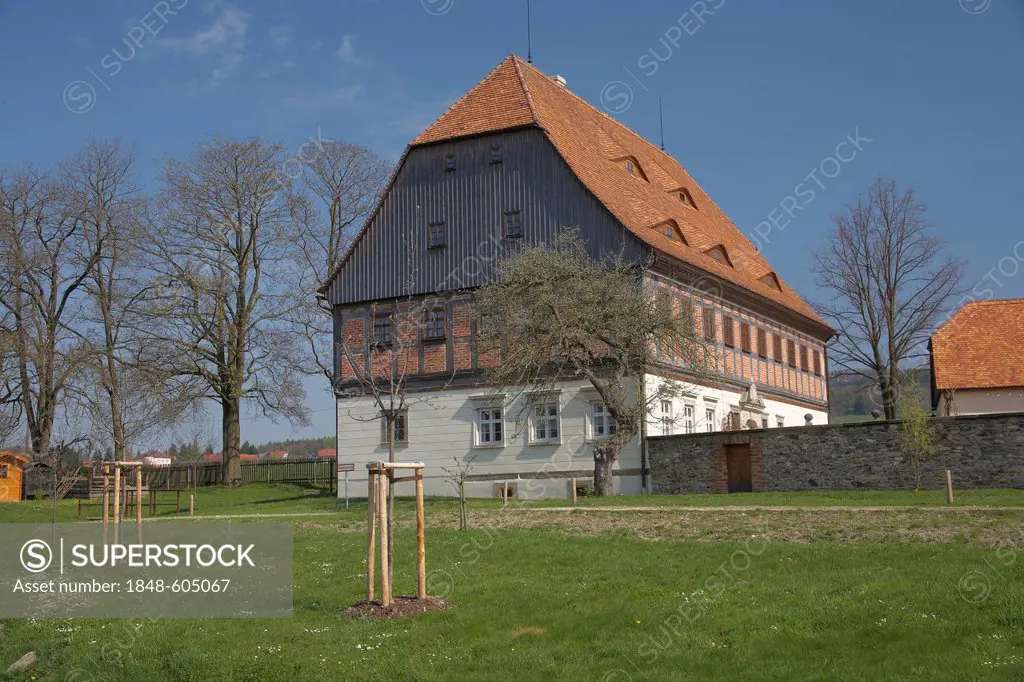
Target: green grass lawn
{"type": "Point", "coordinates": [543, 604]}
{"type": "Point", "coordinates": [993, 497]}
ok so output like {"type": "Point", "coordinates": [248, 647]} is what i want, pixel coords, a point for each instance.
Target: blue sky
{"type": "Point", "coordinates": [757, 96]}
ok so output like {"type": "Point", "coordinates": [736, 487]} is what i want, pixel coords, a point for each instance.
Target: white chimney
{"type": "Point", "coordinates": [561, 81]}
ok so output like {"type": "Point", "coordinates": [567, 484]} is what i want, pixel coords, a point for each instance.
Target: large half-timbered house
{"type": "Point", "coordinates": [515, 160]}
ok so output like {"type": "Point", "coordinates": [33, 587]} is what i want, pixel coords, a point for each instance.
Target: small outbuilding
{"type": "Point", "coordinates": [11, 467]}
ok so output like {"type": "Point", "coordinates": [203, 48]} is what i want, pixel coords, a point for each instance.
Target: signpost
{"type": "Point", "coordinates": [345, 467]}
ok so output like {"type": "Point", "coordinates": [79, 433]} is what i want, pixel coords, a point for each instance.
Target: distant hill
{"type": "Point", "coordinates": [856, 396]}
{"type": "Point", "coordinates": [296, 449]}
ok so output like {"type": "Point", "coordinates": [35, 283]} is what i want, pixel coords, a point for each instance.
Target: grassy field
{"type": "Point", "coordinates": [1000, 497]}
{"type": "Point", "coordinates": [598, 595]}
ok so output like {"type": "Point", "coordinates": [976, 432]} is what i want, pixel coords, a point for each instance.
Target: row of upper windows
{"type": "Point", "coordinates": [794, 352]}
{"type": "Point", "coordinates": [545, 423]}
{"type": "Point", "coordinates": [633, 167]}
{"type": "Point", "coordinates": [433, 328]}
{"type": "Point", "coordinates": [688, 421]}
{"type": "Point", "coordinates": [496, 158]}
{"type": "Point", "coordinates": [512, 225]}
{"type": "Point", "coordinates": [544, 427]}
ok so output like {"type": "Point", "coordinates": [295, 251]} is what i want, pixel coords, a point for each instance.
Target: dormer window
{"type": "Point", "coordinates": [513, 224]}
{"type": "Point", "coordinates": [771, 280]}
{"type": "Point", "coordinates": [449, 163]}
{"type": "Point", "coordinates": [670, 229]}
{"type": "Point", "coordinates": [437, 235]}
{"type": "Point", "coordinates": [720, 255]}
{"type": "Point", "coordinates": [684, 197]}
{"type": "Point", "coordinates": [633, 167]}
{"type": "Point", "coordinates": [495, 154]}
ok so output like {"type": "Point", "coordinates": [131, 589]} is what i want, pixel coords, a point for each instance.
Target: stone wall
{"type": "Point", "coordinates": [983, 451]}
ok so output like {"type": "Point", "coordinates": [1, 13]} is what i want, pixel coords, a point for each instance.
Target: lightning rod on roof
{"type": "Point", "coordinates": [529, 36]}
{"type": "Point", "coordinates": [661, 123]}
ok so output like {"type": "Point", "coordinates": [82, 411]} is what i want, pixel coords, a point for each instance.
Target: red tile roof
{"type": "Point", "coordinates": [596, 146]}
{"type": "Point", "coordinates": [979, 346]}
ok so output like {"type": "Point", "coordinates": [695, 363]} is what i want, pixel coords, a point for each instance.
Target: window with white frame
{"type": "Point", "coordinates": [545, 428]}
{"type": "Point", "coordinates": [666, 417]}
{"type": "Point", "coordinates": [780, 422]}
{"type": "Point", "coordinates": [709, 419]}
{"type": "Point", "coordinates": [489, 426]}
{"type": "Point", "coordinates": [688, 419]}
{"type": "Point", "coordinates": [602, 426]}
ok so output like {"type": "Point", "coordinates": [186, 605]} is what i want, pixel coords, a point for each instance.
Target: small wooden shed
{"type": "Point", "coordinates": [11, 466]}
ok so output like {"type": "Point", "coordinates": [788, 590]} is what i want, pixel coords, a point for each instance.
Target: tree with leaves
{"type": "Point", "coordinates": [888, 284]}
{"type": "Point", "coordinates": [915, 433]}
{"type": "Point", "coordinates": [555, 314]}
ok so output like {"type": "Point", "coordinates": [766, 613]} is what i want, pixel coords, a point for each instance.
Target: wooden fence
{"type": "Point", "coordinates": [314, 471]}
{"type": "Point", "coordinates": [183, 476]}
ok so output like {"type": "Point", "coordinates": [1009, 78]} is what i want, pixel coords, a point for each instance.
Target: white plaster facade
{"type": "Point", "coordinates": [980, 401]}
{"type": "Point", "coordinates": [720, 402]}
{"type": "Point", "coordinates": [445, 425]}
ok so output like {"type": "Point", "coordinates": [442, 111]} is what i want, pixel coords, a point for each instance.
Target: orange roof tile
{"type": "Point", "coordinates": [516, 94]}
{"type": "Point", "coordinates": [978, 347]}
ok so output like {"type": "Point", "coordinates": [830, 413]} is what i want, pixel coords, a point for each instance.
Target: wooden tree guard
{"type": "Point", "coordinates": [114, 469]}
{"type": "Point", "coordinates": [376, 519]}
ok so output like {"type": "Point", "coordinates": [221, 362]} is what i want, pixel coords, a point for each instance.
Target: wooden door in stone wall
{"type": "Point", "coordinates": [737, 462]}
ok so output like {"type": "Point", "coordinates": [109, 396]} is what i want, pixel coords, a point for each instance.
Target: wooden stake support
{"type": "Point", "coordinates": [138, 495]}
{"type": "Point", "coordinates": [381, 474]}
{"type": "Point", "coordinates": [371, 526]}
{"type": "Point", "coordinates": [117, 494]}
{"type": "Point", "coordinates": [949, 486]}
{"type": "Point", "coordinates": [106, 493]}
{"type": "Point", "coordinates": [120, 498]}
{"type": "Point", "coordinates": [421, 543]}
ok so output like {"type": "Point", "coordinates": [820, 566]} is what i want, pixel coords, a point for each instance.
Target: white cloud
{"type": "Point", "coordinates": [315, 47]}
{"type": "Point", "coordinates": [281, 35]}
{"type": "Point", "coordinates": [347, 51]}
{"type": "Point", "coordinates": [224, 39]}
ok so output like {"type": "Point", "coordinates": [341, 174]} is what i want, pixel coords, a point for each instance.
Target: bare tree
{"type": "Point", "coordinates": [888, 284]}
{"type": "Point", "coordinates": [46, 260]}
{"type": "Point", "coordinates": [221, 251]}
{"type": "Point", "coordinates": [379, 361]}
{"type": "Point", "coordinates": [10, 397]}
{"type": "Point", "coordinates": [456, 478]}
{"type": "Point", "coordinates": [124, 399]}
{"type": "Point", "coordinates": [343, 183]}
{"type": "Point", "coordinates": [557, 315]}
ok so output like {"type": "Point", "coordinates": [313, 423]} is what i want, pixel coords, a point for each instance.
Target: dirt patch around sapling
{"type": "Point", "coordinates": [400, 608]}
